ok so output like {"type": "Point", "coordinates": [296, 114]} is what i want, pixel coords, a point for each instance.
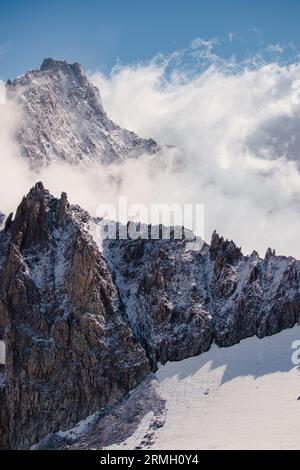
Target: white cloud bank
{"type": "Point", "coordinates": [15, 177]}
{"type": "Point", "coordinates": [237, 132]}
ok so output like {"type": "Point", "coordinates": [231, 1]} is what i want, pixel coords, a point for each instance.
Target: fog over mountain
{"type": "Point", "coordinates": [228, 134]}
{"type": "Point", "coordinates": [237, 126]}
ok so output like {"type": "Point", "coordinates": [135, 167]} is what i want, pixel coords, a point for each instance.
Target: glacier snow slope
{"type": "Point", "coordinates": [241, 397]}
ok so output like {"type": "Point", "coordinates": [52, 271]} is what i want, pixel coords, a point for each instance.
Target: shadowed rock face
{"type": "Point", "coordinates": [166, 305]}
{"type": "Point", "coordinates": [69, 350]}
{"type": "Point", "coordinates": [178, 301]}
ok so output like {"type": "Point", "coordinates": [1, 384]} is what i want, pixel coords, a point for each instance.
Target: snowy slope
{"type": "Point", "coordinates": [242, 397]}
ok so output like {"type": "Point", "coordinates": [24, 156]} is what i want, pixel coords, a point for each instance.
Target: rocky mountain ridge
{"type": "Point", "coordinates": [180, 300]}
{"type": "Point", "coordinates": [83, 327]}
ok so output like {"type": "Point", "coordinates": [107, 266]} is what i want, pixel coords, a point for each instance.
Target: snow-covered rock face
{"type": "Point", "coordinates": [64, 120]}
{"type": "Point", "coordinates": [2, 219]}
{"type": "Point", "coordinates": [69, 351]}
{"type": "Point", "coordinates": [165, 292]}
{"type": "Point", "coordinates": [179, 301]}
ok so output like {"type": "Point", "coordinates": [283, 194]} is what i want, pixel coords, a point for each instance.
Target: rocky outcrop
{"type": "Point", "coordinates": [63, 119]}
{"type": "Point", "coordinates": [116, 424]}
{"type": "Point", "coordinates": [167, 306]}
{"type": "Point", "coordinates": [69, 349]}
{"type": "Point", "coordinates": [179, 300]}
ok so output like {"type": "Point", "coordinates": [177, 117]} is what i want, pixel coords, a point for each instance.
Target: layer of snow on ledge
{"type": "Point", "coordinates": [94, 229]}
{"type": "Point", "coordinates": [2, 353]}
{"type": "Point", "coordinates": [242, 397]}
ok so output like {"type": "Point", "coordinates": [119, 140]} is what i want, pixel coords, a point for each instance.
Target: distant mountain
{"type": "Point", "coordinates": [64, 120]}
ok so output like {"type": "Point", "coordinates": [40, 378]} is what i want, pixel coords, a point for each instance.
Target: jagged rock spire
{"type": "Point", "coordinates": [225, 248]}
{"type": "Point", "coordinates": [56, 64]}
{"type": "Point", "coordinates": [69, 350]}
{"type": "Point", "coordinates": [270, 253]}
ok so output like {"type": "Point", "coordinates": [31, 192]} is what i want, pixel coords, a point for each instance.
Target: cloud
{"type": "Point", "coordinates": [4, 48]}
{"type": "Point", "coordinates": [15, 177]}
{"type": "Point", "coordinates": [275, 48]}
{"type": "Point", "coordinates": [237, 128]}
{"type": "Point", "coordinates": [255, 30]}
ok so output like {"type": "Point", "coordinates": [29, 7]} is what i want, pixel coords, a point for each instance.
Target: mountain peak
{"type": "Point", "coordinates": [57, 64]}
{"type": "Point", "coordinates": [75, 128]}
{"type": "Point", "coordinates": [50, 63]}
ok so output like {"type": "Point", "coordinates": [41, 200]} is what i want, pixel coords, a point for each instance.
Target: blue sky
{"type": "Point", "coordinates": [97, 33]}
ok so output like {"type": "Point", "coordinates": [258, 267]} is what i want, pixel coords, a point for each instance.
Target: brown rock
{"type": "Point", "coordinates": [70, 352]}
